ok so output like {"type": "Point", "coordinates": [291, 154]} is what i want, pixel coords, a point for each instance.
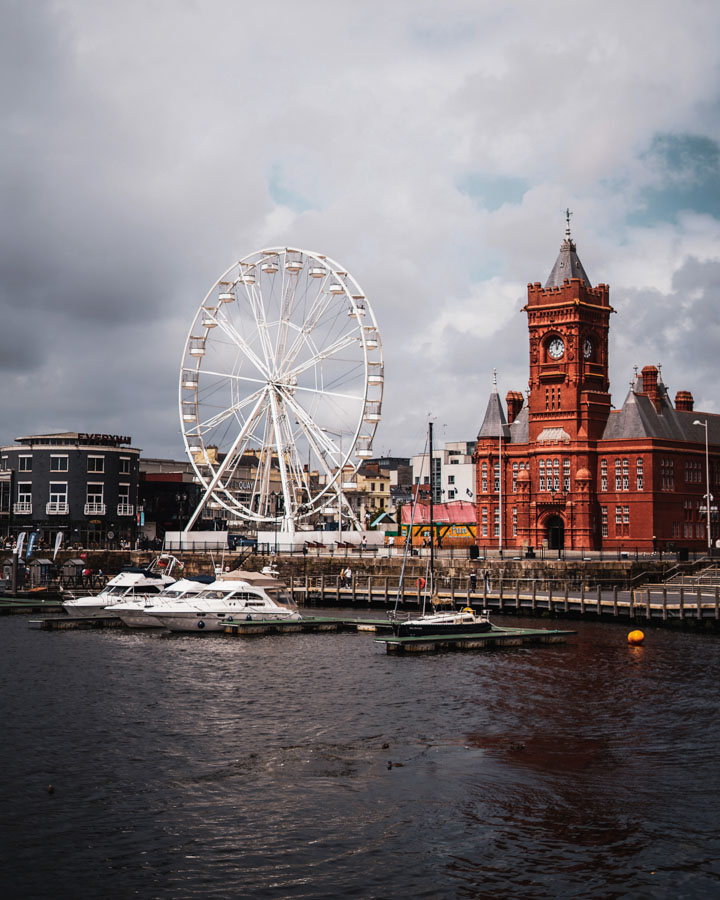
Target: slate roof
{"type": "Point", "coordinates": [567, 265]}
{"type": "Point", "coordinates": [520, 428]}
{"type": "Point", "coordinates": [638, 418]}
{"type": "Point", "coordinates": [494, 424]}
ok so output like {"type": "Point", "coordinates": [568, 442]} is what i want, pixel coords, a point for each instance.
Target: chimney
{"type": "Point", "coordinates": [684, 401]}
{"type": "Point", "coordinates": [514, 401]}
{"type": "Point", "coordinates": [650, 385]}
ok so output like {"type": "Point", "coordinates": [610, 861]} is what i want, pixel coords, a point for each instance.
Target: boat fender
{"type": "Point", "coordinates": [420, 583]}
{"type": "Point", "coordinates": [201, 624]}
{"type": "Point", "coordinates": [467, 609]}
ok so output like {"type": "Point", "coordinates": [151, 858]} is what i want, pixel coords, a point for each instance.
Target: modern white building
{"type": "Point", "coordinates": [453, 471]}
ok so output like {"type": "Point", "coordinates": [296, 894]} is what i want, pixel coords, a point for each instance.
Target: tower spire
{"type": "Point", "coordinates": [568, 264]}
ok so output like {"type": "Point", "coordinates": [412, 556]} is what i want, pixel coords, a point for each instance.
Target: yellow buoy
{"type": "Point", "coordinates": [636, 637]}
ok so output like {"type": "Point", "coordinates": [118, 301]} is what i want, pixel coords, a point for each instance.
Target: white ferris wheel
{"type": "Point", "coordinates": [281, 388]}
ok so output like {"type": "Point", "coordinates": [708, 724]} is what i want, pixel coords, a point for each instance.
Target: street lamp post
{"type": "Point", "coordinates": [708, 495]}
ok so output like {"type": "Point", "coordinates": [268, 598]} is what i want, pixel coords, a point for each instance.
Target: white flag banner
{"type": "Point", "coordinates": [20, 544]}
{"type": "Point", "coordinates": [58, 543]}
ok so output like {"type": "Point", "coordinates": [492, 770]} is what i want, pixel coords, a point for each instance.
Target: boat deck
{"type": "Point", "coordinates": [485, 640]}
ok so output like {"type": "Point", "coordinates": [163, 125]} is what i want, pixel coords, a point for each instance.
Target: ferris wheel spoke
{"type": "Point", "coordinates": [233, 377]}
{"type": "Point", "coordinates": [325, 393]}
{"type": "Point", "coordinates": [347, 340]}
{"type": "Point", "coordinates": [258, 311]}
{"type": "Point", "coordinates": [322, 436]}
{"type": "Point", "coordinates": [312, 320]}
{"type": "Point", "coordinates": [240, 341]}
{"type": "Point", "coordinates": [219, 418]}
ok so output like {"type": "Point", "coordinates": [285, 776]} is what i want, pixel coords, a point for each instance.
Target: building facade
{"type": "Point", "coordinates": [566, 471]}
{"type": "Point", "coordinates": [83, 485]}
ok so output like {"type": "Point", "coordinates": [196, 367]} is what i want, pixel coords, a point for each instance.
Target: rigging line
{"type": "Point", "coordinates": [326, 353]}
{"type": "Point", "coordinates": [240, 342]}
{"type": "Point", "coordinates": [408, 538]}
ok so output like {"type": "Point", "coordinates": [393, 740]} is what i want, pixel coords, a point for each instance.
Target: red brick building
{"type": "Point", "coordinates": [566, 468]}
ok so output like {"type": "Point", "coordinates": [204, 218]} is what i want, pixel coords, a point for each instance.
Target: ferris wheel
{"type": "Point", "coordinates": [280, 388]}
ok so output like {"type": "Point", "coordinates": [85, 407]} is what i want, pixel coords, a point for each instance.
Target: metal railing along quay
{"type": "Point", "coordinates": [516, 595]}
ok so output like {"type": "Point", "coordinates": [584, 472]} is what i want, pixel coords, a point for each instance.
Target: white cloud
{"type": "Point", "coordinates": [141, 144]}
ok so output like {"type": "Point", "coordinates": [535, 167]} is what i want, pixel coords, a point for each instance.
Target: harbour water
{"type": "Point", "coordinates": [316, 766]}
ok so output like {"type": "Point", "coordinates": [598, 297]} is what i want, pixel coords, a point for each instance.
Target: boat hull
{"type": "Point", "coordinates": [136, 618]}
{"type": "Point", "coordinates": [425, 629]}
{"type": "Point", "coordinates": [209, 622]}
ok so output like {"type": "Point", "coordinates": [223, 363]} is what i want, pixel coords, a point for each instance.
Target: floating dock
{"type": "Point", "coordinates": [486, 640]}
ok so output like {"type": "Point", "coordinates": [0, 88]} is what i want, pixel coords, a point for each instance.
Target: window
{"type": "Point", "coordinates": [676, 529]}
{"type": "Point", "coordinates": [24, 490]}
{"type": "Point", "coordinates": [496, 477]}
{"type": "Point", "coordinates": [496, 523]}
{"type": "Point", "coordinates": [667, 475]}
{"type": "Point", "coordinates": [514, 477]}
{"type": "Point", "coordinates": [95, 504]}
{"type": "Point", "coordinates": [604, 520]}
{"type": "Point", "coordinates": [483, 477]}
{"type": "Point", "coordinates": [451, 479]}
{"type": "Point", "coordinates": [451, 493]}
{"type": "Point", "coordinates": [618, 515]}
{"type": "Point", "coordinates": [556, 474]}
{"type": "Point", "coordinates": [58, 463]}
{"type": "Point", "coordinates": [566, 474]}
{"type": "Point", "coordinates": [514, 521]}
{"type": "Point", "coordinates": [639, 480]}
{"type": "Point", "coordinates": [625, 475]}
{"type": "Point", "coordinates": [603, 475]}
{"type": "Point", "coordinates": [4, 463]}
{"type": "Point", "coordinates": [626, 515]}
{"type": "Point", "coordinates": [124, 466]}
{"type": "Point", "coordinates": [618, 475]}
{"type": "Point", "coordinates": [541, 478]}
{"type": "Point", "coordinates": [25, 464]}
{"type": "Point", "coordinates": [58, 492]}
{"type": "Point", "coordinates": [96, 464]}
{"type": "Point", "coordinates": [484, 521]}
{"type": "Point", "coordinates": [5, 496]}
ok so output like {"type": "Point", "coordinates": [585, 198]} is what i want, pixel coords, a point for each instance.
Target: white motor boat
{"type": "Point", "coordinates": [133, 611]}
{"type": "Point", "coordinates": [234, 597]}
{"type": "Point", "coordinates": [464, 621]}
{"type": "Point", "coordinates": [132, 582]}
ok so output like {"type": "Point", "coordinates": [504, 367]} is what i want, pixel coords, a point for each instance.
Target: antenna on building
{"type": "Point", "coordinates": [567, 226]}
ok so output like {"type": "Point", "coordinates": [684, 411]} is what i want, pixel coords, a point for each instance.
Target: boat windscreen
{"type": "Point", "coordinates": [282, 597]}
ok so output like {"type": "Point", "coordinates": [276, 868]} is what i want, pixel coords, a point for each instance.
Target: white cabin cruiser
{"type": "Point", "coordinates": [132, 582]}
{"type": "Point", "coordinates": [234, 597]}
{"type": "Point", "coordinates": [133, 611]}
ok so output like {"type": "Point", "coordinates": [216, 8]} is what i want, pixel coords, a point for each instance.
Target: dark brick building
{"type": "Point", "coordinates": [565, 468]}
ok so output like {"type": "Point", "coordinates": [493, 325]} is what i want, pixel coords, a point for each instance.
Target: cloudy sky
{"type": "Point", "coordinates": [431, 148]}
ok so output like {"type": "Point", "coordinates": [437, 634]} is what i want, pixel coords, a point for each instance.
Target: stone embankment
{"type": "Point", "coordinates": [623, 573]}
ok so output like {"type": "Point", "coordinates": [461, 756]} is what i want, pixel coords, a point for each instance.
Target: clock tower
{"type": "Point", "coordinates": [568, 323]}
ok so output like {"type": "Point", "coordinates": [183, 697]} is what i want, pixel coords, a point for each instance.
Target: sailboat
{"type": "Point", "coordinates": [437, 622]}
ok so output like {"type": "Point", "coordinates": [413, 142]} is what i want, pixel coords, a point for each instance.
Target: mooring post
{"type": "Point", "coordinates": [387, 590]}
{"type": "Point", "coordinates": [534, 595]}
{"type": "Point", "coordinates": [322, 590]}
{"type": "Point", "coordinates": [664, 605]}
{"type": "Point", "coordinates": [699, 603]}
{"type": "Point", "coordinates": [682, 603]}
{"type": "Point", "coordinates": [615, 606]}
{"type": "Point", "coordinates": [647, 604]}
{"type": "Point", "coordinates": [517, 594]}
{"type": "Point", "coordinates": [566, 598]}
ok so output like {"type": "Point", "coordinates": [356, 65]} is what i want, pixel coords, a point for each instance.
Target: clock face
{"type": "Point", "coordinates": [556, 348]}
{"type": "Point", "coordinates": [587, 348]}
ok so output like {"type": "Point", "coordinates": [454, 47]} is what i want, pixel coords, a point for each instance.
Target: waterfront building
{"type": "Point", "coordinates": [564, 469]}
{"type": "Point", "coordinates": [453, 471]}
{"type": "Point", "coordinates": [83, 485]}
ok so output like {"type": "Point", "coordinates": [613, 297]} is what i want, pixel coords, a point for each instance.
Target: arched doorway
{"type": "Point", "coordinates": [555, 530]}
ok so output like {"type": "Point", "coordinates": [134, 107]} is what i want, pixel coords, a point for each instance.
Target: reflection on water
{"type": "Point", "coordinates": [318, 766]}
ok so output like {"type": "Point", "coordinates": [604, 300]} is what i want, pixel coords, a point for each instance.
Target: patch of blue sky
{"type": "Point", "coordinates": [284, 195]}
{"type": "Point", "coordinates": [492, 191]}
{"type": "Point", "coordinates": [688, 178]}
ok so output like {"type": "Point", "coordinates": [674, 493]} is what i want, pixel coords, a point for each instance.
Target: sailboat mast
{"type": "Point", "coordinates": [432, 511]}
